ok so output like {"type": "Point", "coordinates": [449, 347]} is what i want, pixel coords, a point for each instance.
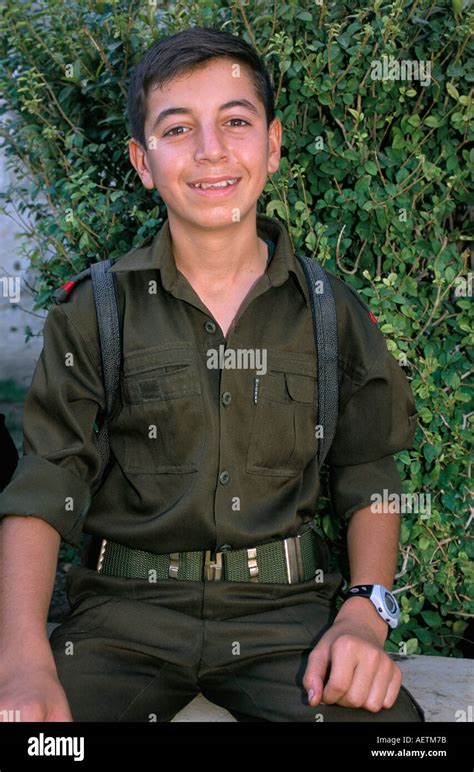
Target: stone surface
{"type": "Point", "coordinates": [18, 358]}
{"type": "Point", "coordinates": [443, 686]}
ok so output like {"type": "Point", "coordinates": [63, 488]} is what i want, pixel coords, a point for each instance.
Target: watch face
{"type": "Point", "coordinates": [390, 603]}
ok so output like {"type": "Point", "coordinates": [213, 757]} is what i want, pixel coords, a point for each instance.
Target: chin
{"type": "Point", "coordinates": [213, 220]}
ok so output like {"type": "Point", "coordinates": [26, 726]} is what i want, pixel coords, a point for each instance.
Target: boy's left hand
{"type": "Point", "coordinates": [362, 675]}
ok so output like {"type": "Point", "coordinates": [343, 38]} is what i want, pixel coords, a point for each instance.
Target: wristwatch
{"type": "Point", "coordinates": [381, 597]}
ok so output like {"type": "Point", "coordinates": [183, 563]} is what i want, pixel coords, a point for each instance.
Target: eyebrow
{"type": "Point", "coordinates": [185, 111]}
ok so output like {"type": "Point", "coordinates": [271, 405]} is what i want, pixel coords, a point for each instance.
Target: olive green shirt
{"type": "Point", "coordinates": [205, 455]}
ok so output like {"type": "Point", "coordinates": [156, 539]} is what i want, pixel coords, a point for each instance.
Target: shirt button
{"type": "Point", "coordinates": [224, 547]}
{"type": "Point", "coordinates": [224, 477]}
{"type": "Point", "coordinates": [226, 398]}
{"type": "Point", "coordinates": [210, 327]}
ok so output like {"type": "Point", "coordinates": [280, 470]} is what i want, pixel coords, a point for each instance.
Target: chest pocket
{"type": "Point", "coordinates": [283, 436]}
{"type": "Point", "coordinates": [162, 420]}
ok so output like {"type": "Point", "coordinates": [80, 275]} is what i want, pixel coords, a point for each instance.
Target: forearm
{"type": "Point", "coordinates": [29, 550]}
{"type": "Point", "coordinates": [372, 542]}
{"type": "Point", "coordinates": [361, 673]}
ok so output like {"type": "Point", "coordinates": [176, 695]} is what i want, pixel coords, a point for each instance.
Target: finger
{"type": "Point", "coordinates": [313, 681]}
{"type": "Point", "coordinates": [344, 659]}
{"type": "Point", "coordinates": [378, 682]}
{"type": "Point", "coordinates": [359, 689]}
{"type": "Point", "coordinates": [393, 688]}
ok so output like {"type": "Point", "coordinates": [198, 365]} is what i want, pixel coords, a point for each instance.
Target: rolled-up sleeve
{"type": "Point", "coordinates": [61, 459]}
{"type": "Point", "coordinates": [378, 420]}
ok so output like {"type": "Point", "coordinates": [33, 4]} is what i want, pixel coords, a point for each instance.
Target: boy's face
{"type": "Point", "coordinates": [213, 142]}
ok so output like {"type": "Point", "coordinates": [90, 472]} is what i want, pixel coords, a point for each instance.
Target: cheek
{"type": "Point", "coordinates": [166, 169]}
{"type": "Point", "coordinates": [254, 156]}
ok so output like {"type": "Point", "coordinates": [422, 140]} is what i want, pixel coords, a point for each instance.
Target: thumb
{"type": "Point", "coordinates": [316, 670]}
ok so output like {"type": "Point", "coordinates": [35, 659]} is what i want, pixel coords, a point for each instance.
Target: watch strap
{"type": "Point", "coordinates": [360, 589]}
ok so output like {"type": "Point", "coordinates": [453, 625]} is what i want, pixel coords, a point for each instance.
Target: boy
{"type": "Point", "coordinates": [200, 586]}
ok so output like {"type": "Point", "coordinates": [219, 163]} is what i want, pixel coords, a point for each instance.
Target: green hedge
{"type": "Point", "coordinates": [374, 180]}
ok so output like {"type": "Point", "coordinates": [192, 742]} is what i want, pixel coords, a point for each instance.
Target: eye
{"type": "Point", "coordinates": [169, 133]}
{"type": "Point", "coordinates": [241, 120]}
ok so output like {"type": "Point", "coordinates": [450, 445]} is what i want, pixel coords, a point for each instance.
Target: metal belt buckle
{"type": "Point", "coordinates": [252, 563]}
{"type": "Point", "coordinates": [174, 565]}
{"type": "Point", "coordinates": [212, 568]}
{"type": "Point", "coordinates": [100, 561]}
{"type": "Point", "coordinates": [293, 559]}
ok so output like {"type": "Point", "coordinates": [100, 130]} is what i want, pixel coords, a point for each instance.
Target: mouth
{"type": "Point", "coordinates": [222, 188]}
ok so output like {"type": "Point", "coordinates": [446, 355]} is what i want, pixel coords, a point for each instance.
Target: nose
{"type": "Point", "coordinates": [210, 144]}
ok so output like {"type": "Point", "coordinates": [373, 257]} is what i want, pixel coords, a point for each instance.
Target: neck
{"type": "Point", "coordinates": [220, 258]}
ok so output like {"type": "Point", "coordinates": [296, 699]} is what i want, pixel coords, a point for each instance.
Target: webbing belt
{"type": "Point", "coordinates": [286, 561]}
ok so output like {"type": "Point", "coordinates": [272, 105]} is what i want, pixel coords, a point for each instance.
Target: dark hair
{"type": "Point", "coordinates": [175, 54]}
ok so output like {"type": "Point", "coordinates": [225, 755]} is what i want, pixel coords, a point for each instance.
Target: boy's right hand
{"type": "Point", "coordinates": [36, 694]}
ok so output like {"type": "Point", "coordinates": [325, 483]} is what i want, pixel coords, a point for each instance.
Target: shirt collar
{"type": "Point", "coordinates": [155, 253]}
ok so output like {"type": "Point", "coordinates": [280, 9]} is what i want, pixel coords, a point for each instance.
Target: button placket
{"type": "Point", "coordinates": [224, 492]}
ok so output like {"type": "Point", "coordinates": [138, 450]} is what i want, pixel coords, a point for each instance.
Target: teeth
{"type": "Point", "coordinates": [222, 184]}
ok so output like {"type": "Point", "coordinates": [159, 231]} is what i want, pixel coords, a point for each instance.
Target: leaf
{"type": "Point", "coordinates": [412, 646]}
{"type": "Point", "coordinates": [404, 457]}
{"type": "Point", "coordinates": [424, 635]}
{"type": "Point", "coordinates": [425, 414]}
{"type": "Point", "coordinates": [452, 91]}
{"type": "Point", "coordinates": [278, 207]}
{"type": "Point", "coordinates": [354, 113]}
{"type": "Point", "coordinates": [371, 167]}
{"type": "Point", "coordinates": [398, 142]}
{"type": "Point", "coordinates": [414, 120]}
{"type": "Point", "coordinates": [432, 619]}
{"type": "Point", "coordinates": [424, 543]}
{"type": "Point", "coordinates": [459, 627]}
{"type": "Point", "coordinates": [429, 453]}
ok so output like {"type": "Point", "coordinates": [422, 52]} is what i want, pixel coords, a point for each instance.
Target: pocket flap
{"type": "Point", "coordinates": [159, 375]}
{"type": "Point", "coordinates": [300, 387]}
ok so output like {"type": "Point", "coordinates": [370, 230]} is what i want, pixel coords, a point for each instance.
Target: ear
{"type": "Point", "coordinates": [139, 160]}
{"type": "Point", "coordinates": [274, 145]}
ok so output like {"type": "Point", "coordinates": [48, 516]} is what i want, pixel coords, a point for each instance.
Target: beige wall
{"type": "Point", "coordinates": [17, 358]}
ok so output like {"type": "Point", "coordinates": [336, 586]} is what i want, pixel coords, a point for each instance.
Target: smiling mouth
{"type": "Point", "coordinates": [224, 185]}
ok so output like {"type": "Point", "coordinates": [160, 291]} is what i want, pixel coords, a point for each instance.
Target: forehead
{"type": "Point", "coordinates": [208, 85]}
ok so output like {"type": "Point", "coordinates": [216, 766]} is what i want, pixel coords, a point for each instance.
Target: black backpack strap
{"type": "Point", "coordinates": [108, 320]}
{"type": "Point", "coordinates": [323, 309]}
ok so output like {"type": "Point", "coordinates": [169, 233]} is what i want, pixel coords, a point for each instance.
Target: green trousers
{"type": "Point", "coordinates": [138, 651]}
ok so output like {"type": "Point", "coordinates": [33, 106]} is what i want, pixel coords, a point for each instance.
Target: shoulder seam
{"type": "Point", "coordinates": [93, 360]}
{"type": "Point", "coordinates": [381, 342]}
